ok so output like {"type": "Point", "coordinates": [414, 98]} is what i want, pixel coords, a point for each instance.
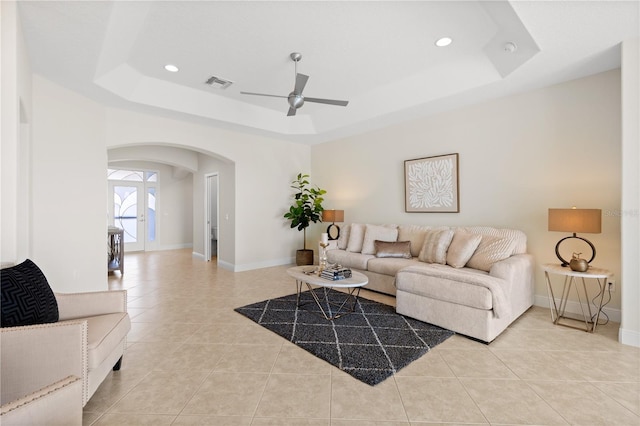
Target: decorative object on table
{"type": "Point", "coordinates": [295, 98]}
{"type": "Point", "coordinates": [335, 273]}
{"type": "Point", "coordinates": [431, 184]}
{"type": "Point", "coordinates": [333, 216]}
{"type": "Point", "coordinates": [306, 208]}
{"type": "Point", "coordinates": [322, 259]}
{"type": "Point", "coordinates": [371, 344]}
{"type": "Point", "coordinates": [575, 220]}
{"type": "Point", "coordinates": [578, 264]}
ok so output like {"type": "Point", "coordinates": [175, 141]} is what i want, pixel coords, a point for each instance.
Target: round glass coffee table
{"type": "Point", "coordinates": [308, 276]}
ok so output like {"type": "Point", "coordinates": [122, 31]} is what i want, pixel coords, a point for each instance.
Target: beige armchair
{"type": "Point", "coordinates": [56, 359]}
{"type": "Point", "coordinates": [57, 404]}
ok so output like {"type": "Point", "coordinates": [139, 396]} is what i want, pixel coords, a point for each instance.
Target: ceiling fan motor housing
{"type": "Point", "coordinates": [296, 101]}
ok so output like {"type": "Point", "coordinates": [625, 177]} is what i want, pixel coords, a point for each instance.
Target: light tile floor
{"type": "Point", "coordinates": [192, 360]}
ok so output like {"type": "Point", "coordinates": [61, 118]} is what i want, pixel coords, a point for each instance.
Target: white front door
{"type": "Point", "coordinates": [127, 211]}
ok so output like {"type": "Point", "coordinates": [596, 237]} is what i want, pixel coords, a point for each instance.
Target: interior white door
{"type": "Point", "coordinates": [127, 211]}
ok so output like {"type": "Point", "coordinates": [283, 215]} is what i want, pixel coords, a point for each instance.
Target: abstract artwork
{"type": "Point", "coordinates": [431, 184]}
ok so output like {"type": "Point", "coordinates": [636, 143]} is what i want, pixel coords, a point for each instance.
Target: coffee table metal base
{"type": "Point", "coordinates": [351, 295]}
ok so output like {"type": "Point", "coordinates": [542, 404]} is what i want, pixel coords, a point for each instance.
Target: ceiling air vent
{"type": "Point", "coordinates": [218, 82]}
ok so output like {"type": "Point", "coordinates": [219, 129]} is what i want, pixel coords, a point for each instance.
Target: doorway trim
{"type": "Point", "coordinates": [208, 213]}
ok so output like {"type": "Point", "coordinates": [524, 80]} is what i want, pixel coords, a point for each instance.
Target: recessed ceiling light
{"type": "Point", "coordinates": [171, 68]}
{"type": "Point", "coordinates": [444, 41]}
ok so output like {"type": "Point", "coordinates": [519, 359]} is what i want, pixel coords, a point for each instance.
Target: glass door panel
{"type": "Point", "coordinates": [128, 214]}
{"type": "Point", "coordinates": [151, 214]}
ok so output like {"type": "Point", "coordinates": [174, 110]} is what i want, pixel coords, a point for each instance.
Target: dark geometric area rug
{"type": "Point", "coordinates": [371, 343]}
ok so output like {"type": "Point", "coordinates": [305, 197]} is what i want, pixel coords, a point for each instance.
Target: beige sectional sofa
{"type": "Point", "coordinates": [473, 280]}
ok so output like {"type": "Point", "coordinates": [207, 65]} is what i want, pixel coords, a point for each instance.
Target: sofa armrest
{"type": "Point", "coordinates": [517, 270]}
{"type": "Point", "coordinates": [57, 404]}
{"type": "Point", "coordinates": [35, 356]}
{"type": "Point", "coordinates": [82, 305]}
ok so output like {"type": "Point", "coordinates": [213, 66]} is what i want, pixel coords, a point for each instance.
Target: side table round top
{"type": "Point", "coordinates": [556, 268]}
{"type": "Point", "coordinates": [305, 274]}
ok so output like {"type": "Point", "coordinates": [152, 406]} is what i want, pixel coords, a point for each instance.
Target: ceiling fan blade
{"type": "Point", "coordinates": [301, 81]}
{"type": "Point", "coordinates": [263, 94]}
{"type": "Point", "coordinates": [326, 101]}
{"type": "Point", "coordinates": [292, 111]}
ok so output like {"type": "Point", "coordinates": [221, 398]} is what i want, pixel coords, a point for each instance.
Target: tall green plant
{"type": "Point", "coordinates": [307, 207]}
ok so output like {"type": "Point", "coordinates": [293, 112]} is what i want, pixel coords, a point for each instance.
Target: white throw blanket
{"type": "Point", "coordinates": [501, 308]}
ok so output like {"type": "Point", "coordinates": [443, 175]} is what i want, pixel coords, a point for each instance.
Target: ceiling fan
{"type": "Point", "coordinates": [296, 100]}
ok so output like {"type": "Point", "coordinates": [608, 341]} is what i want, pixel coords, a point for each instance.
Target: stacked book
{"type": "Point", "coordinates": [334, 274]}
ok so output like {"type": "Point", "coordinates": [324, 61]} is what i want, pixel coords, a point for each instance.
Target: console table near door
{"type": "Point", "coordinates": [573, 279]}
{"type": "Point", "coordinates": [115, 251]}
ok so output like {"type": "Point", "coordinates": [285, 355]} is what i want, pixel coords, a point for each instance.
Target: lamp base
{"type": "Point", "coordinates": [333, 229]}
{"type": "Point", "coordinates": [563, 262]}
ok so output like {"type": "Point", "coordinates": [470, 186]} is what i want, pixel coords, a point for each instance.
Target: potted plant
{"type": "Point", "coordinates": [307, 208]}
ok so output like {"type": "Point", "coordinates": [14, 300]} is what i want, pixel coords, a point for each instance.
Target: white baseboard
{"type": "Point", "coordinates": [225, 265]}
{"type": "Point", "coordinates": [573, 307]}
{"type": "Point", "coordinates": [266, 264]}
{"type": "Point", "coordinates": [629, 337]}
{"type": "Point", "coordinates": [176, 246]}
{"type": "Point", "coordinates": [249, 266]}
{"type": "Point", "coordinates": [197, 255]}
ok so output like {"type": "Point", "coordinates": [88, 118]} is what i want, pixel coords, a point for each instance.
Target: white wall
{"type": "Point", "coordinates": [69, 160]}
{"type": "Point", "coordinates": [630, 210]}
{"type": "Point", "coordinates": [550, 148]}
{"type": "Point", "coordinates": [15, 183]}
{"type": "Point", "coordinates": [263, 170]}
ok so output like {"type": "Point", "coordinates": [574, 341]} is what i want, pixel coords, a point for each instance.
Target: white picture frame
{"type": "Point", "coordinates": [431, 184]}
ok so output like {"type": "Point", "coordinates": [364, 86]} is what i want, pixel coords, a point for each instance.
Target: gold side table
{"type": "Point", "coordinates": [572, 279]}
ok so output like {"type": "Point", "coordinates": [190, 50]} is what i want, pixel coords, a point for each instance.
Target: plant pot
{"type": "Point", "coordinates": [304, 257]}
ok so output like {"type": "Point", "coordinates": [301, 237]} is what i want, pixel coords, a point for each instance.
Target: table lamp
{"type": "Point", "coordinates": [575, 220]}
{"type": "Point", "coordinates": [333, 216]}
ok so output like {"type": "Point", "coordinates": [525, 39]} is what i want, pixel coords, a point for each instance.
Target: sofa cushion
{"type": "Point", "coordinates": [389, 266]}
{"type": "Point", "coordinates": [462, 247]}
{"type": "Point", "coordinates": [400, 249]}
{"type": "Point", "coordinates": [415, 234]}
{"type": "Point", "coordinates": [434, 248]}
{"type": "Point", "coordinates": [464, 286]}
{"type": "Point", "coordinates": [380, 233]}
{"type": "Point", "coordinates": [343, 239]}
{"type": "Point", "coordinates": [356, 237]}
{"type": "Point", "coordinates": [103, 334]}
{"type": "Point", "coordinates": [518, 236]}
{"type": "Point", "coordinates": [348, 259]}
{"type": "Point", "coordinates": [26, 297]}
{"type": "Point", "coordinates": [491, 250]}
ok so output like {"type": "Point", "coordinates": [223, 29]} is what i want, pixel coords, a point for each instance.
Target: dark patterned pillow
{"type": "Point", "coordinates": [26, 297]}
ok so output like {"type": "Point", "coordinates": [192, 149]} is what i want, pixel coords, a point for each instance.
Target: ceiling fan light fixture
{"type": "Point", "coordinates": [171, 68]}
{"type": "Point", "coordinates": [444, 41]}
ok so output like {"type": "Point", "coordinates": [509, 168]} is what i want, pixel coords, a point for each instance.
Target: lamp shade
{"type": "Point", "coordinates": [333, 215]}
{"type": "Point", "coordinates": [575, 220]}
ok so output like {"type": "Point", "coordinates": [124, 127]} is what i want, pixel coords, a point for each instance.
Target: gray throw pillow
{"type": "Point", "coordinates": [399, 249]}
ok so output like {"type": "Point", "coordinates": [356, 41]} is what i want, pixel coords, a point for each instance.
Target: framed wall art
{"type": "Point", "coordinates": [431, 184]}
